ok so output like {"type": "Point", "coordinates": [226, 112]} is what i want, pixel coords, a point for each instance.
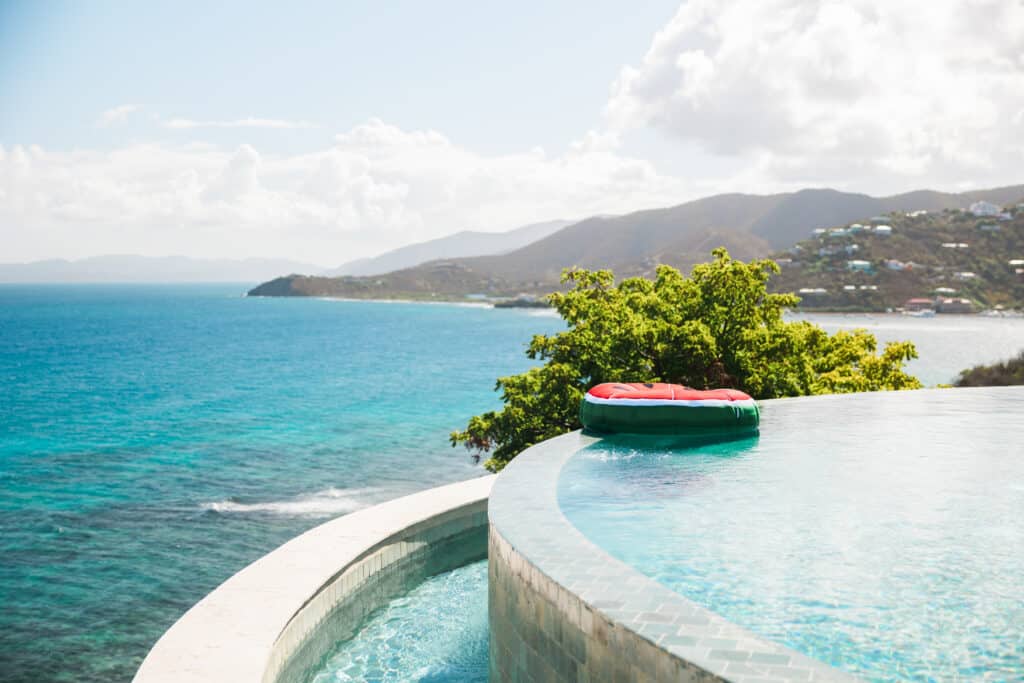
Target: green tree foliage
{"type": "Point", "coordinates": [719, 327]}
{"type": "Point", "coordinates": [1003, 374]}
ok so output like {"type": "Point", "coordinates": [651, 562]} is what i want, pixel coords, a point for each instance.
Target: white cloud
{"type": "Point", "coordinates": [249, 122]}
{"type": "Point", "coordinates": [117, 114]}
{"type": "Point", "coordinates": [863, 93]}
{"type": "Point", "coordinates": [764, 94]}
{"type": "Point", "coordinates": [376, 187]}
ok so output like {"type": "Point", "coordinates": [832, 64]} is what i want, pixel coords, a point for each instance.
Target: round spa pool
{"type": "Point", "coordinates": [437, 633]}
{"type": "Point", "coordinates": [880, 533]}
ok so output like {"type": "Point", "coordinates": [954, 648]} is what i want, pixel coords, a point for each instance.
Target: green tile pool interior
{"type": "Point", "coordinates": [882, 534]}
{"type": "Point", "coordinates": [436, 633]}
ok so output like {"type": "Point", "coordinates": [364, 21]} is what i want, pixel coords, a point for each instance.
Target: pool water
{"type": "Point", "coordinates": [437, 633]}
{"type": "Point", "coordinates": [882, 534]}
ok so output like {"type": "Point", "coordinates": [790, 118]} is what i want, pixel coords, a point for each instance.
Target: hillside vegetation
{"type": "Point", "coordinates": [996, 375]}
{"type": "Point", "coordinates": [950, 255]}
{"type": "Point", "coordinates": [749, 226]}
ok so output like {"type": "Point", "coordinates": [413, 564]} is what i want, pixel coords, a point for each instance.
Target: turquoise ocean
{"type": "Point", "coordinates": [156, 439]}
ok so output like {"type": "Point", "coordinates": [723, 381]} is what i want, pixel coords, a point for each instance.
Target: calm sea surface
{"type": "Point", "coordinates": [155, 439]}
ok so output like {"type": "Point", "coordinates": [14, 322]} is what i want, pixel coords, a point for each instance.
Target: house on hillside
{"type": "Point", "coordinates": [879, 219]}
{"type": "Point", "coordinates": [964, 276]}
{"type": "Point", "coordinates": [983, 208]}
{"type": "Point", "coordinates": [883, 229]}
{"type": "Point", "coordinates": [1017, 262]}
{"type": "Point", "coordinates": [859, 265]}
{"type": "Point", "coordinates": [954, 305]}
{"type": "Point", "coordinates": [954, 245]}
{"type": "Point", "coordinates": [894, 264]}
{"type": "Point", "coordinates": [989, 227]}
{"type": "Point", "coordinates": [814, 291]}
{"type": "Point", "coordinates": [945, 290]}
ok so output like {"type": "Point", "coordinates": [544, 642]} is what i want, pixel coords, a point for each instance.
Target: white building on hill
{"type": "Point", "coordinates": [984, 208]}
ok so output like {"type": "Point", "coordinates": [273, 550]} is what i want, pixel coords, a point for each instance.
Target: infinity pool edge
{"type": "Point", "coordinates": [562, 609]}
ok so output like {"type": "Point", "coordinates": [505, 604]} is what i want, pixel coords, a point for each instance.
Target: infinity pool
{"type": "Point", "coordinates": [880, 533]}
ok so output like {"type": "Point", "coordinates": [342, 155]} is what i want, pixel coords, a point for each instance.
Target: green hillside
{"type": "Point", "coordinates": [749, 226]}
{"type": "Point", "coordinates": [943, 257]}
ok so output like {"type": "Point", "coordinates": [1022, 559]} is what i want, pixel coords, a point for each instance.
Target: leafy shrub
{"type": "Point", "coordinates": [996, 375]}
{"type": "Point", "coordinates": [719, 327]}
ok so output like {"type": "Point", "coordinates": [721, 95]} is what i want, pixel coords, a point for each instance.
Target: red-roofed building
{"type": "Point", "coordinates": [918, 304]}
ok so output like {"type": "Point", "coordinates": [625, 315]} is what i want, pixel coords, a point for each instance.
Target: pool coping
{"type": "Point", "coordinates": [527, 521]}
{"type": "Point", "coordinates": [251, 626]}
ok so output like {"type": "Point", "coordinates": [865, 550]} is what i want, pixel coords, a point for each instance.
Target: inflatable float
{"type": "Point", "coordinates": [668, 409]}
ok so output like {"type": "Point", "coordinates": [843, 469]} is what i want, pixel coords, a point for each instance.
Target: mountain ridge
{"type": "Point", "coordinates": [465, 243]}
{"type": "Point", "coordinates": [751, 226]}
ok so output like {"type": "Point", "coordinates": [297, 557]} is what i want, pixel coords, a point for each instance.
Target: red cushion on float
{"type": "Point", "coordinates": [664, 392]}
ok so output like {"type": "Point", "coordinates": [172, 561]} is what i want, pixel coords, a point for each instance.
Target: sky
{"type": "Point", "coordinates": [327, 131]}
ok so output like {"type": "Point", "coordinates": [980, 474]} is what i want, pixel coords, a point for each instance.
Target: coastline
{"type": "Point", "coordinates": [462, 302]}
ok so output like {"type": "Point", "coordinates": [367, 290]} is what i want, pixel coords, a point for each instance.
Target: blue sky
{"type": "Point", "coordinates": [497, 77]}
{"type": "Point", "coordinates": [336, 130]}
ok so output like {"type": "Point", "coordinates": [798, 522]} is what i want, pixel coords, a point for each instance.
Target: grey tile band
{"type": "Point", "coordinates": [562, 609]}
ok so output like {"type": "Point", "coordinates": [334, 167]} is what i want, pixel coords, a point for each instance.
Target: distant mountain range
{"type": "Point", "coordinates": [129, 268]}
{"type": "Point", "coordinates": [749, 226]}
{"type": "Point", "coordinates": [464, 243]}
{"type": "Point", "coordinates": [529, 259]}
{"type": "Point", "coordinates": [138, 269]}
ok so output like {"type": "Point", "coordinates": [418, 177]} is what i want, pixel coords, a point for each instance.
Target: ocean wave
{"type": "Point", "coordinates": [331, 501]}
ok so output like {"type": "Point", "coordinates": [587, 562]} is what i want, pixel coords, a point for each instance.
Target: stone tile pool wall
{"type": "Point", "coordinates": [561, 609]}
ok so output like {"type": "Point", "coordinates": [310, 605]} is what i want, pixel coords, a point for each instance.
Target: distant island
{"type": "Point", "coordinates": [839, 251]}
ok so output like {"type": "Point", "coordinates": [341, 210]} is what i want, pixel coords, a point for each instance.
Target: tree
{"type": "Point", "coordinates": [719, 327]}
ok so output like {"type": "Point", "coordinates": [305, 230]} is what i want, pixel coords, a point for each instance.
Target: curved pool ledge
{"type": "Point", "coordinates": [276, 619]}
{"type": "Point", "coordinates": [562, 609]}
